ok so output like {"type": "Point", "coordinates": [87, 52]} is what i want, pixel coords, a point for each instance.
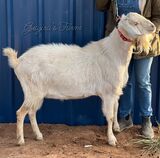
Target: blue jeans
{"type": "Point", "coordinates": [141, 69]}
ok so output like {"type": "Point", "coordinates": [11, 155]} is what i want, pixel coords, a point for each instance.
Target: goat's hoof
{"type": "Point", "coordinates": [117, 129]}
{"type": "Point", "coordinates": [21, 142]}
{"type": "Point", "coordinates": [112, 141]}
{"type": "Point", "coordinates": [39, 137]}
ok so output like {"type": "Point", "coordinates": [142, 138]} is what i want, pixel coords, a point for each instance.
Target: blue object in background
{"type": "Point", "coordinates": [24, 24]}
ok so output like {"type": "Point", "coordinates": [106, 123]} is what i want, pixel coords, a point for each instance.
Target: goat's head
{"type": "Point", "coordinates": [135, 25]}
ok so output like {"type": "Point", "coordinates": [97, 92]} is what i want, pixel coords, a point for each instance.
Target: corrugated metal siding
{"type": "Point", "coordinates": [24, 24]}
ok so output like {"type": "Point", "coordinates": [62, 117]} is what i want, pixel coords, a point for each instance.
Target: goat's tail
{"type": "Point", "coordinates": [12, 56]}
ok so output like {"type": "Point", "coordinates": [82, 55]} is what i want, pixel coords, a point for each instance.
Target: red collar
{"type": "Point", "coordinates": [123, 37]}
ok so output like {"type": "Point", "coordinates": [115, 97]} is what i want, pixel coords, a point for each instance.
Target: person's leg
{"type": "Point", "coordinates": [144, 93]}
{"type": "Point", "coordinates": [126, 102]}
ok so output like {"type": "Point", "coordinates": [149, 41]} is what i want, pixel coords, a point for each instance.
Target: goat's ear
{"type": "Point", "coordinates": [124, 17]}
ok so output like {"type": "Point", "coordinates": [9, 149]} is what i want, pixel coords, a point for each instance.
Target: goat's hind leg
{"type": "Point", "coordinates": [28, 107]}
{"type": "Point", "coordinates": [33, 120]}
{"type": "Point", "coordinates": [21, 113]}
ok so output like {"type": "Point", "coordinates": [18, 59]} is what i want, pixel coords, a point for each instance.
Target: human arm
{"type": "Point", "coordinates": [149, 44]}
{"type": "Point", "coordinates": [103, 5]}
{"type": "Point", "coordinates": [155, 13]}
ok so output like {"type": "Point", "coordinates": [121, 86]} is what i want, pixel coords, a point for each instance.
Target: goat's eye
{"type": "Point", "coordinates": [136, 23]}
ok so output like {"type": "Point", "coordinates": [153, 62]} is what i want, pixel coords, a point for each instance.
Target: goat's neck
{"type": "Point", "coordinates": [120, 47]}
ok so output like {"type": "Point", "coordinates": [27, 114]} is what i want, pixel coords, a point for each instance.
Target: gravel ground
{"type": "Point", "coordinates": [61, 141]}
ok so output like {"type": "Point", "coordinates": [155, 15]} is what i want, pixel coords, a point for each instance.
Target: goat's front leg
{"type": "Point", "coordinates": [21, 113]}
{"type": "Point", "coordinates": [116, 127]}
{"type": "Point", "coordinates": [108, 110]}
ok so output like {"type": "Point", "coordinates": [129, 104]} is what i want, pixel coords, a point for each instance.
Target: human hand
{"type": "Point", "coordinates": [143, 43]}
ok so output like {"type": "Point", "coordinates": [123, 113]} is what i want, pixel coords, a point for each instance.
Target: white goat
{"type": "Point", "coordinates": [71, 72]}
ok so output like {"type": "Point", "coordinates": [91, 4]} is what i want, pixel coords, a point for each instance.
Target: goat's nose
{"type": "Point", "coordinates": [153, 27]}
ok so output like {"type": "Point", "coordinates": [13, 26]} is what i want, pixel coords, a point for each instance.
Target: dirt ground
{"type": "Point", "coordinates": [61, 141]}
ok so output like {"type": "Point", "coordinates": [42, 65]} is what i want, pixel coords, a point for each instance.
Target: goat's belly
{"type": "Point", "coordinates": [63, 95]}
{"type": "Point", "coordinates": [68, 86]}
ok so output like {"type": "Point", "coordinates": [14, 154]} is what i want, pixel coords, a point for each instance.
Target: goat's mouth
{"type": "Point", "coordinates": [152, 31]}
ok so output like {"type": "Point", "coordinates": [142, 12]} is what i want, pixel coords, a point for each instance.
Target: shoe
{"type": "Point", "coordinates": [147, 130]}
{"type": "Point", "coordinates": [125, 123]}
